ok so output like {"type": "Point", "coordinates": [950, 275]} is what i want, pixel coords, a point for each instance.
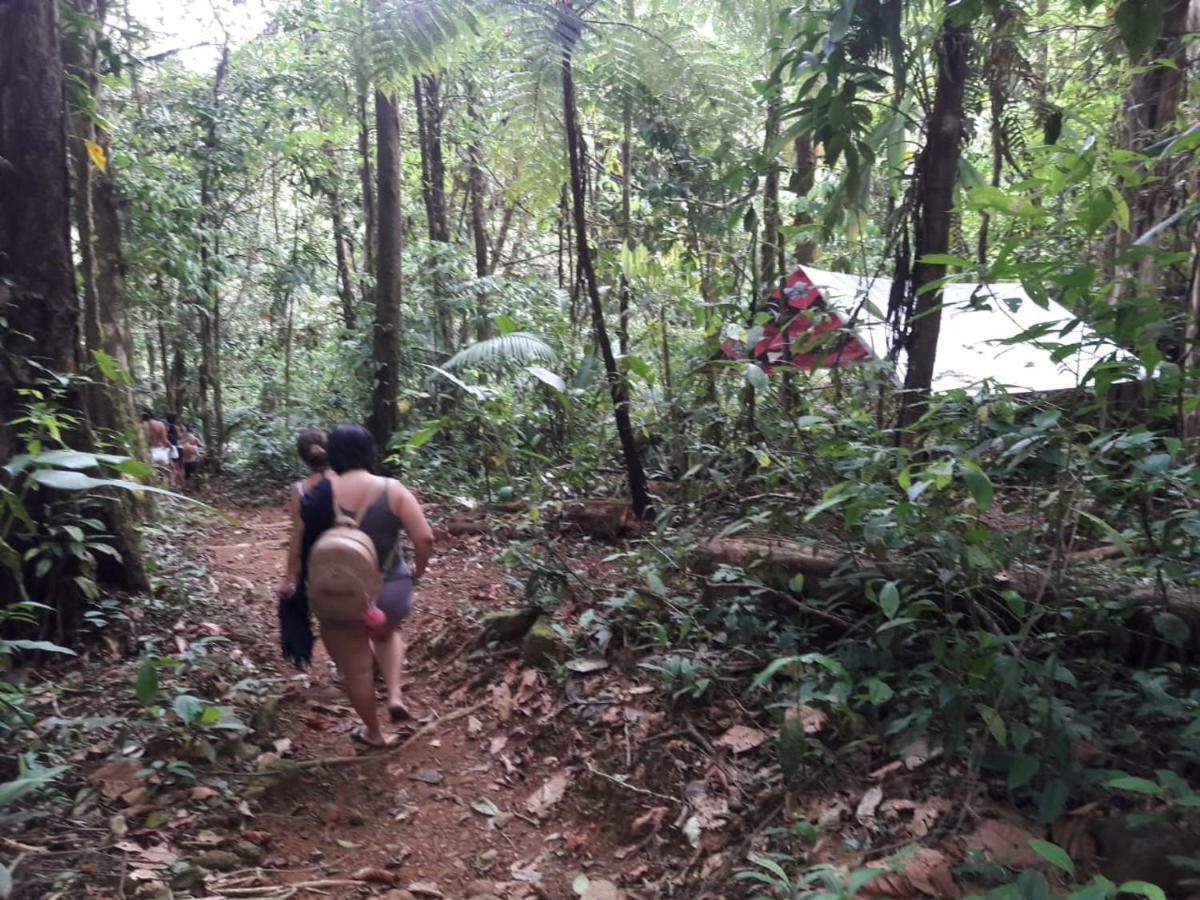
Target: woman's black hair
{"type": "Point", "coordinates": [310, 444]}
{"type": "Point", "coordinates": [350, 447]}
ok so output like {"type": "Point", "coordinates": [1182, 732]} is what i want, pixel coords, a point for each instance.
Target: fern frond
{"type": "Point", "coordinates": [500, 352]}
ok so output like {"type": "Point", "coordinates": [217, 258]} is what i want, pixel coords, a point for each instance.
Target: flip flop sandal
{"type": "Point", "coordinates": [359, 736]}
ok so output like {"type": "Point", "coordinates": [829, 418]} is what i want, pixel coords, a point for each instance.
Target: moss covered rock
{"type": "Point", "coordinates": [508, 626]}
{"type": "Point", "coordinates": [542, 644]}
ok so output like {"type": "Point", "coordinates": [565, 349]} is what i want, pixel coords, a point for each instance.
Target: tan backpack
{"type": "Point", "coordinates": [344, 575]}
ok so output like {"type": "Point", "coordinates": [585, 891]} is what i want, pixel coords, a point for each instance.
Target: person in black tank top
{"type": "Point", "coordinates": [391, 509]}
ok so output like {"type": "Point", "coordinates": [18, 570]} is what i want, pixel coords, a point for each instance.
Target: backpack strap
{"type": "Point", "coordinates": [343, 518]}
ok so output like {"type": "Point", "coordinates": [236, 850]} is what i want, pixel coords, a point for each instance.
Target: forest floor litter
{"type": "Point", "coordinates": [573, 778]}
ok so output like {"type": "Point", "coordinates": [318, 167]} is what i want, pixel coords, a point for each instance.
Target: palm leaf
{"type": "Point", "coordinates": [518, 348]}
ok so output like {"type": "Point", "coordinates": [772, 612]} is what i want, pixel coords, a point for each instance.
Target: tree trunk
{"type": "Point", "coordinates": [386, 336]}
{"type": "Point", "coordinates": [804, 178]}
{"type": "Point", "coordinates": [210, 300]}
{"type": "Point", "coordinates": [37, 283]}
{"type": "Point", "coordinates": [109, 401]}
{"type": "Point", "coordinates": [768, 268]}
{"type": "Point", "coordinates": [476, 188]}
{"type": "Point", "coordinates": [626, 209]}
{"type": "Point", "coordinates": [936, 174]}
{"type": "Point", "coordinates": [342, 252]}
{"type": "Point", "coordinates": [433, 190]}
{"type": "Point", "coordinates": [371, 237]}
{"type": "Point", "coordinates": [568, 32]}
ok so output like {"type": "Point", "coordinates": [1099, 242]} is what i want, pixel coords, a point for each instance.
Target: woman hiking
{"type": "Point", "coordinates": [310, 446]}
{"type": "Point", "coordinates": [352, 519]}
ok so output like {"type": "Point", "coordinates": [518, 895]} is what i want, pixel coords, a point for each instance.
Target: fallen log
{"type": "Point", "coordinates": [748, 552]}
{"type": "Point", "coordinates": [601, 517]}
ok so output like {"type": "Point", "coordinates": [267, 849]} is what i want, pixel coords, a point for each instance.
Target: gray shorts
{"type": "Point", "coordinates": [395, 599]}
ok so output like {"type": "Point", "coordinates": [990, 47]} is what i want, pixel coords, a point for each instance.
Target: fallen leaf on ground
{"type": "Point", "coordinates": [919, 752]}
{"type": "Point", "coordinates": [529, 683]}
{"type": "Point", "coordinates": [426, 776]}
{"type": "Point", "coordinates": [586, 665]}
{"type": "Point", "coordinates": [710, 811]}
{"type": "Point", "coordinates": [547, 795]}
{"type": "Point", "coordinates": [498, 743]}
{"type": "Point", "coordinates": [375, 876]}
{"type": "Point", "coordinates": [1005, 842]}
{"type": "Point", "coordinates": [348, 845]}
{"type": "Point", "coordinates": [502, 700]}
{"type": "Point", "coordinates": [202, 793]}
{"type": "Point", "coordinates": [1073, 833]}
{"type": "Point", "coordinates": [425, 889]}
{"type": "Point", "coordinates": [283, 745]}
{"type": "Point", "coordinates": [116, 778]}
{"type": "Point", "coordinates": [929, 871]}
{"type": "Point", "coordinates": [474, 726]}
{"type": "Point", "coordinates": [742, 738]}
{"type": "Point", "coordinates": [894, 885]}
{"type": "Point", "coordinates": [599, 889]}
{"type": "Point", "coordinates": [485, 808]}
{"type": "Point", "coordinates": [651, 820]}
{"type": "Point", "coordinates": [869, 804]}
{"type": "Point", "coordinates": [812, 720]}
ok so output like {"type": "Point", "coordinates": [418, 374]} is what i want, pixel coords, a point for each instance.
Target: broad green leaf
{"type": "Point", "coordinates": [879, 692]}
{"type": "Point", "coordinates": [757, 378]}
{"type": "Point", "coordinates": [504, 324]}
{"type": "Point", "coordinates": [186, 707]}
{"type": "Point", "coordinates": [1022, 770]}
{"type": "Point", "coordinates": [146, 686]}
{"type": "Point", "coordinates": [31, 781]}
{"type": "Point", "coordinates": [424, 436]}
{"type": "Point", "coordinates": [994, 722]}
{"type": "Point", "coordinates": [1136, 785]}
{"type": "Point", "coordinates": [889, 599]}
{"type": "Point", "coordinates": [978, 484]}
{"type": "Point", "coordinates": [639, 367]}
{"type": "Point", "coordinates": [773, 667]}
{"type": "Point", "coordinates": [548, 378]}
{"type": "Point", "coordinates": [1053, 854]}
{"type": "Point", "coordinates": [1142, 889]}
{"type": "Point", "coordinates": [40, 647]}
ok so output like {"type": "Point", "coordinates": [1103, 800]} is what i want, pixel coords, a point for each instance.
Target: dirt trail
{"type": "Point", "coordinates": [451, 815]}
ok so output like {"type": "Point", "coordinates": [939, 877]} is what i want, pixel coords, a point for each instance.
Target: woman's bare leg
{"type": "Point", "coordinates": [389, 654]}
{"type": "Point", "coordinates": [350, 650]}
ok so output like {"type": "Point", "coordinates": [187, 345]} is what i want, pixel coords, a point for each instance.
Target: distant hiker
{"type": "Point", "coordinates": [189, 451]}
{"type": "Point", "coordinates": [174, 436]}
{"type": "Point", "coordinates": [310, 446]}
{"type": "Point", "coordinates": [354, 576]}
{"type": "Point", "coordinates": [160, 447]}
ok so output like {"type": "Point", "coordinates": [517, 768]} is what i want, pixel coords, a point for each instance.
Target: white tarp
{"type": "Point", "coordinates": [976, 319]}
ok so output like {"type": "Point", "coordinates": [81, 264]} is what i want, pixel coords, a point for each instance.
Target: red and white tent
{"type": "Point", "coordinates": [834, 319]}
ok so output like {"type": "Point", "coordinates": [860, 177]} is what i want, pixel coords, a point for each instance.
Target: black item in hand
{"type": "Point", "coordinates": [295, 628]}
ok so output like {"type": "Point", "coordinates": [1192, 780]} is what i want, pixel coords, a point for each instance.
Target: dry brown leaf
{"type": "Point", "coordinates": [474, 726]}
{"type": "Point", "coordinates": [425, 889]}
{"type": "Point", "coordinates": [812, 720]}
{"type": "Point", "coordinates": [1074, 834]}
{"type": "Point", "coordinates": [649, 821]}
{"type": "Point", "coordinates": [498, 743]}
{"type": "Point", "coordinates": [502, 700]}
{"type": "Point", "coordinates": [202, 792]}
{"type": "Point", "coordinates": [884, 771]}
{"type": "Point", "coordinates": [869, 804]}
{"type": "Point", "coordinates": [927, 814]}
{"type": "Point", "coordinates": [929, 872]}
{"type": "Point", "coordinates": [889, 884]}
{"type": "Point", "coordinates": [547, 795]}
{"type": "Point", "coordinates": [742, 738]}
{"type": "Point", "coordinates": [116, 778]}
{"type": "Point", "coordinates": [919, 752]}
{"type": "Point", "coordinates": [1005, 842]}
{"type": "Point", "coordinates": [529, 683]}
{"type": "Point", "coordinates": [375, 876]}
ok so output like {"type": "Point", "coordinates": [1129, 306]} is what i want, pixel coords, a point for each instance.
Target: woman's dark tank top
{"type": "Point", "coordinates": [383, 527]}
